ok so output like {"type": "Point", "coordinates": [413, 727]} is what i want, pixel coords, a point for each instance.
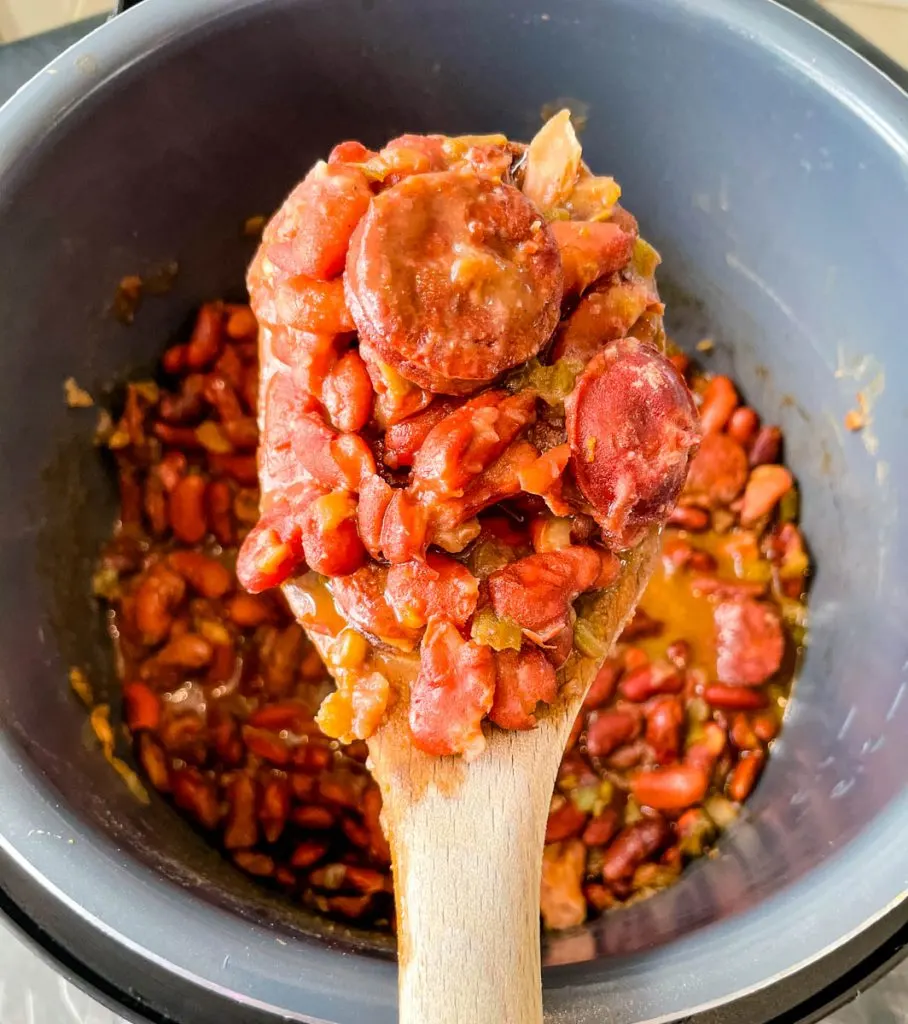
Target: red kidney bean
{"type": "Point", "coordinates": [189, 650]}
{"type": "Point", "coordinates": [766, 726]}
{"type": "Point", "coordinates": [195, 794]}
{"type": "Point", "coordinates": [766, 447]}
{"type": "Point", "coordinates": [743, 735]}
{"type": "Point", "coordinates": [719, 402]}
{"type": "Point", "coordinates": [602, 828]}
{"type": "Point", "coordinates": [249, 610]}
{"type": "Point", "coordinates": [688, 517]}
{"type": "Point", "coordinates": [628, 756]}
{"type": "Point", "coordinates": [664, 724]}
{"type": "Point", "coordinates": [608, 730]}
{"type": "Point", "coordinates": [706, 751]}
{"type": "Point", "coordinates": [670, 789]}
{"type": "Point", "coordinates": [745, 774]}
{"type": "Point", "coordinates": [259, 864]}
{"type": "Point", "coordinates": [313, 817]}
{"type": "Point", "coordinates": [204, 574]}
{"type": "Point", "coordinates": [735, 698]}
{"type": "Point", "coordinates": [564, 822]}
{"type": "Point", "coordinates": [643, 683]}
{"type": "Point", "coordinates": [357, 834]}
{"type": "Point", "coordinates": [678, 653]}
{"type": "Point", "coordinates": [743, 425]}
{"type": "Point", "coordinates": [207, 337]}
{"type": "Point", "coordinates": [143, 707]}
{"type": "Point", "coordinates": [266, 745]}
{"type": "Point", "coordinates": [174, 360]}
{"type": "Point", "coordinates": [218, 506]}
{"type": "Point", "coordinates": [242, 825]}
{"type": "Point", "coordinates": [241, 468]}
{"type": "Point", "coordinates": [274, 807]}
{"type": "Point", "coordinates": [604, 685]}
{"type": "Point", "coordinates": [186, 508]}
{"type": "Point", "coordinates": [308, 852]}
{"type": "Point", "coordinates": [241, 324]}
{"type": "Point", "coordinates": [158, 595]}
{"type": "Point", "coordinates": [632, 846]}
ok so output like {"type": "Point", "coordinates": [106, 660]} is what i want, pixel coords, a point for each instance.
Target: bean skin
{"type": "Point", "coordinates": [745, 775]}
{"type": "Point", "coordinates": [743, 424]}
{"type": "Point", "coordinates": [719, 402]}
{"type": "Point", "coordinates": [187, 510]}
{"type": "Point", "coordinates": [609, 730]}
{"type": "Point", "coordinates": [632, 846]}
{"type": "Point", "coordinates": [157, 597]}
{"type": "Point", "coordinates": [735, 698]}
{"type": "Point", "coordinates": [218, 507]}
{"type": "Point", "coordinates": [565, 822]}
{"type": "Point", "coordinates": [206, 575]}
{"type": "Point", "coordinates": [766, 446]}
{"type": "Point", "coordinates": [670, 789]}
{"type": "Point", "coordinates": [186, 651]}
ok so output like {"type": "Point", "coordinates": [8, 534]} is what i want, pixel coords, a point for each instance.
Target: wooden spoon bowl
{"type": "Point", "coordinates": [467, 838]}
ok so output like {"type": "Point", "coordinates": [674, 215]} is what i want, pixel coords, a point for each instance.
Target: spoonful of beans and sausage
{"type": "Point", "coordinates": [471, 438]}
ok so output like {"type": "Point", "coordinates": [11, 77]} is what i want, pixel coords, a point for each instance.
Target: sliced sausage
{"type": "Point", "coordinates": [632, 426]}
{"type": "Point", "coordinates": [453, 279]}
{"type": "Point", "coordinates": [749, 642]}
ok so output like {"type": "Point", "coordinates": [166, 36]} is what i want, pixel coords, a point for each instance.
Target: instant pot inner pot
{"type": "Point", "coordinates": [780, 213]}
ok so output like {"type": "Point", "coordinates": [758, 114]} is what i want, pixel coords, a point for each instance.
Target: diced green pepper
{"type": "Point", "coordinates": [499, 634]}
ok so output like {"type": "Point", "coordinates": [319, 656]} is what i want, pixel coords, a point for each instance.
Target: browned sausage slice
{"type": "Point", "coordinates": [453, 279]}
{"type": "Point", "coordinates": [749, 642]}
{"type": "Point", "coordinates": [632, 426]}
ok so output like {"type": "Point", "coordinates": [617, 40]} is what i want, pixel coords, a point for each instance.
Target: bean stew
{"type": "Point", "coordinates": [220, 687]}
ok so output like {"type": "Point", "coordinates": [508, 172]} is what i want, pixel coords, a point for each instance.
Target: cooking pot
{"type": "Point", "coordinates": [769, 164]}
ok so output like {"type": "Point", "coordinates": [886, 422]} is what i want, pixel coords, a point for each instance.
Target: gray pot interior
{"type": "Point", "coordinates": [770, 166]}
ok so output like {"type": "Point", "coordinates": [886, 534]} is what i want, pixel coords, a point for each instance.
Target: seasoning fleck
{"type": "Point", "coordinates": [81, 687]}
{"type": "Point", "coordinates": [252, 226]}
{"type": "Point", "coordinates": [76, 397]}
{"type": "Point", "coordinates": [127, 298]}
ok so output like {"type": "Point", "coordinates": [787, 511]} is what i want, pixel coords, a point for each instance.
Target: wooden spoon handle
{"type": "Point", "coordinates": [467, 865]}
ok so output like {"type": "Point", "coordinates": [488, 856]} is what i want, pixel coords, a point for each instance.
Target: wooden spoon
{"type": "Point", "coordinates": [467, 838]}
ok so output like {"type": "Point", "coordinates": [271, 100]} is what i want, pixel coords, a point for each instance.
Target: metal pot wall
{"type": "Point", "coordinates": [766, 160]}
